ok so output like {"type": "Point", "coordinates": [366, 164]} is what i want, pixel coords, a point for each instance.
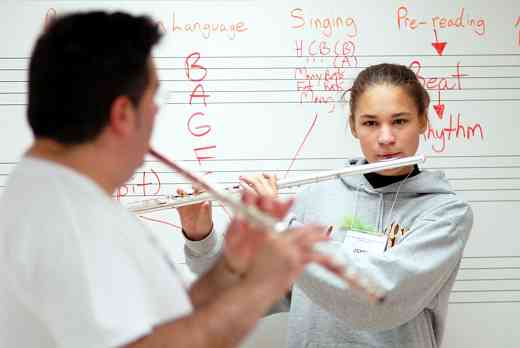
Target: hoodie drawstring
{"type": "Point", "coordinates": [356, 197]}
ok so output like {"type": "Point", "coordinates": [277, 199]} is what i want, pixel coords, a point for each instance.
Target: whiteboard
{"type": "Point", "coordinates": [274, 72]}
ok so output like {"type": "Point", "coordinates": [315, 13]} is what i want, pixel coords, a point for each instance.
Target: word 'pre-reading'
{"type": "Point", "coordinates": [459, 21]}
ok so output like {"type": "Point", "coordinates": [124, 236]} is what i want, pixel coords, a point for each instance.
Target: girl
{"type": "Point", "coordinates": [413, 229]}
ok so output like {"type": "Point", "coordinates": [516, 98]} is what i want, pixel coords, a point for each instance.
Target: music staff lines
{"type": "Point", "coordinates": [480, 302]}
{"type": "Point", "coordinates": [252, 171]}
{"type": "Point", "coordinates": [271, 79]}
{"type": "Point", "coordinates": [324, 67]}
{"type": "Point", "coordinates": [484, 291]}
{"type": "Point", "coordinates": [384, 55]}
{"type": "Point", "coordinates": [181, 183]}
{"type": "Point", "coordinates": [491, 257]}
{"type": "Point", "coordinates": [141, 196]}
{"type": "Point", "coordinates": [485, 279]}
{"type": "Point", "coordinates": [403, 55]}
{"type": "Point", "coordinates": [429, 157]}
{"type": "Point", "coordinates": [294, 102]}
{"type": "Point", "coordinates": [488, 268]}
{"type": "Point", "coordinates": [295, 90]}
{"type": "Point", "coordinates": [344, 159]}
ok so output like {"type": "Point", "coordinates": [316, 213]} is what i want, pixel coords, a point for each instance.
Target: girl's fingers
{"type": "Point", "coordinates": [260, 184]}
{"type": "Point", "coordinates": [197, 189]}
{"type": "Point", "coordinates": [252, 183]}
{"type": "Point", "coordinates": [248, 180]}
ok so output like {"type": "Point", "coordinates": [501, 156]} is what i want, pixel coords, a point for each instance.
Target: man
{"type": "Point", "coordinates": [77, 269]}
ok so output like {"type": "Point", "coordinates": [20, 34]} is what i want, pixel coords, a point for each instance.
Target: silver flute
{"type": "Point", "coordinates": [176, 201]}
{"type": "Point", "coordinates": [353, 279]}
{"type": "Point", "coordinates": [249, 212]}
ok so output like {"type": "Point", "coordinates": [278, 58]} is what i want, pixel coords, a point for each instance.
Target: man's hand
{"type": "Point", "coordinates": [284, 256]}
{"type": "Point", "coordinates": [242, 240]}
{"type": "Point", "coordinates": [274, 260]}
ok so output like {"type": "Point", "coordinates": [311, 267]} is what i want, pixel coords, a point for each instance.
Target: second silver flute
{"type": "Point", "coordinates": [175, 201]}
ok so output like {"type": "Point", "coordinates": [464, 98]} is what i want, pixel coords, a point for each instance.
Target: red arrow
{"type": "Point", "coordinates": [439, 108]}
{"type": "Point", "coordinates": [439, 46]}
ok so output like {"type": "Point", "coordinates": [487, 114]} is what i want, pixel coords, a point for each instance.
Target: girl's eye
{"type": "Point", "coordinates": [400, 121]}
{"type": "Point", "coordinates": [369, 123]}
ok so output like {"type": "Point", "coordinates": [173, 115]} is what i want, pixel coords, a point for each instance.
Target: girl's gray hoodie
{"type": "Point", "coordinates": [417, 273]}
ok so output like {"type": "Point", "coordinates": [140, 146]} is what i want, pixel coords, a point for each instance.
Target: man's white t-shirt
{"type": "Point", "coordinates": [76, 268]}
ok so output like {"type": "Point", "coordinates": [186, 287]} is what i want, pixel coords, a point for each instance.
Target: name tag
{"type": "Point", "coordinates": [360, 243]}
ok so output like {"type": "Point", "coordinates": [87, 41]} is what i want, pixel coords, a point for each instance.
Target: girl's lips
{"type": "Point", "coordinates": [390, 156]}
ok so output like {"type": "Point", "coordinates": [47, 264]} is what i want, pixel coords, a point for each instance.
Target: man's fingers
{"type": "Point", "coordinates": [247, 188]}
{"type": "Point", "coordinates": [232, 238]}
{"type": "Point", "coordinates": [272, 179]}
{"type": "Point", "coordinates": [283, 207]}
{"type": "Point", "coordinates": [328, 263]}
{"type": "Point", "coordinates": [266, 205]}
{"type": "Point", "coordinates": [308, 235]}
{"type": "Point", "coordinates": [352, 280]}
{"type": "Point", "coordinates": [249, 197]}
{"type": "Point", "coordinates": [274, 207]}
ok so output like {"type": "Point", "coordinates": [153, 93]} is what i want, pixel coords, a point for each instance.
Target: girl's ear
{"type": "Point", "coordinates": [352, 124]}
{"type": "Point", "coordinates": [423, 123]}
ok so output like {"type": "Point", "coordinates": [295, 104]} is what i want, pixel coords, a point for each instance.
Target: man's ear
{"type": "Point", "coordinates": [352, 125]}
{"type": "Point", "coordinates": [122, 116]}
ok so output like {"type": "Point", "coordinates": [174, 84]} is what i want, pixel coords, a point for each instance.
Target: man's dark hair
{"type": "Point", "coordinates": [79, 65]}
